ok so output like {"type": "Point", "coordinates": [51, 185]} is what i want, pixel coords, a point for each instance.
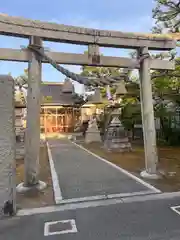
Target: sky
{"type": "Point", "coordinates": [127, 16]}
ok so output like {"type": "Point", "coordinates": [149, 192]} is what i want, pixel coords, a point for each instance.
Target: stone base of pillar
{"type": "Point", "coordinates": [20, 188]}
{"type": "Point", "coordinates": [121, 145]}
{"type": "Point", "coordinates": [116, 139]}
{"type": "Point", "coordinates": [71, 137]}
{"type": "Point", "coordinates": [92, 137]}
{"type": "Point", "coordinates": [146, 175]}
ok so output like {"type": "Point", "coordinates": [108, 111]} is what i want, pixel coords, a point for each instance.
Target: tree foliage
{"type": "Point", "coordinates": [21, 83]}
{"type": "Point", "coordinates": [166, 96]}
{"type": "Point", "coordinates": [167, 15]}
{"type": "Point", "coordinates": [91, 71]}
{"type": "Point", "coordinates": [22, 80]}
{"type": "Point", "coordinates": [166, 84]}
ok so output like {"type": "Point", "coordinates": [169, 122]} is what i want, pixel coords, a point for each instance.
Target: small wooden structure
{"type": "Point", "coordinates": [59, 112]}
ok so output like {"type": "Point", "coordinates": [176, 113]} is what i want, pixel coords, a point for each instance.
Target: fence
{"type": "Point", "coordinates": [172, 122]}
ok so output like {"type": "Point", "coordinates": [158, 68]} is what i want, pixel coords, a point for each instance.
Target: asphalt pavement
{"type": "Point", "coordinates": [151, 220]}
{"type": "Point", "coordinates": [81, 174]}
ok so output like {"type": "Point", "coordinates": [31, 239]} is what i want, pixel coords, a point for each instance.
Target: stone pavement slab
{"type": "Point", "coordinates": [81, 174]}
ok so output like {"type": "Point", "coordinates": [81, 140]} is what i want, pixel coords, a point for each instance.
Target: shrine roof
{"type": "Point", "coordinates": [52, 94]}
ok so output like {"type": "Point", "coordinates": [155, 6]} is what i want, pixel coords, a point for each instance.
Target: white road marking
{"type": "Point", "coordinates": [98, 203]}
{"type": "Point", "coordinates": [104, 197]}
{"type": "Point", "coordinates": [55, 180]}
{"type": "Point", "coordinates": [57, 189]}
{"type": "Point", "coordinates": [176, 209]}
{"type": "Point", "coordinates": [73, 228]}
{"type": "Point", "coordinates": [61, 146]}
{"type": "Point", "coordinates": [120, 169]}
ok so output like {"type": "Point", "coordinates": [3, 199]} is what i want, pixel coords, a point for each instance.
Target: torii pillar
{"type": "Point", "coordinates": [32, 134]}
{"type": "Point", "coordinates": [148, 123]}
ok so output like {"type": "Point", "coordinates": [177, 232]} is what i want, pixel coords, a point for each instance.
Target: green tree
{"type": "Point", "coordinates": [21, 82]}
{"type": "Point", "coordinates": [78, 99]}
{"type": "Point", "coordinates": [131, 113]}
{"type": "Point", "coordinates": [166, 83]}
{"type": "Point", "coordinates": [167, 15]}
{"type": "Point", "coordinates": [98, 72]}
{"type": "Point", "coordinates": [166, 90]}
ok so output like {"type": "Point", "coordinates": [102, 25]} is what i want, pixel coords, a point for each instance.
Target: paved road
{"type": "Point", "coordinates": [150, 220]}
{"type": "Point", "coordinates": [81, 174]}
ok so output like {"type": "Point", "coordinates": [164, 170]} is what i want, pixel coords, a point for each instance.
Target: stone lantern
{"type": "Point", "coordinates": [133, 89]}
{"type": "Point", "coordinates": [67, 86]}
{"type": "Point", "coordinates": [92, 133]}
{"type": "Point", "coordinates": [116, 138]}
{"type": "Point", "coordinates": [90, 107]}
{"type": "Point", "coordinates": [96, 97]}
{"type": "Point", "coordinates": [121, 89]}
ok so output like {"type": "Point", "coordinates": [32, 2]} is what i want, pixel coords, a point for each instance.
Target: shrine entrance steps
{"type": "Point", "coordinates": [80, 176]}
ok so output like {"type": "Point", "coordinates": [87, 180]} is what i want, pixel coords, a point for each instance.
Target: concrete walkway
{"type": "Point", "coordinates": [82, 175]}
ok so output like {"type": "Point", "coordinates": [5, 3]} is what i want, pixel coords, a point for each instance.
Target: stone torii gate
{"type": "Point", "coordinates": [37, 31]}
